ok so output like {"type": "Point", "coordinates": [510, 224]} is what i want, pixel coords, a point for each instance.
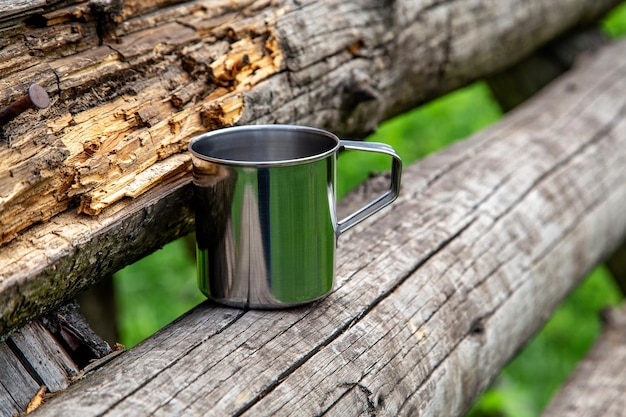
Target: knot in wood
{"type": "Point", "coordinates": [361, 87]}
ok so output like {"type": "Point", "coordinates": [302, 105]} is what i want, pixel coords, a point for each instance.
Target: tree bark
{"type": "Point", "coordinates": [435, 294]}
{"type": "Point", "coordinates": [132, 81]}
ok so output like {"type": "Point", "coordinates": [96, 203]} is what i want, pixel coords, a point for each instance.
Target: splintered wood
{"type": "Point", "coordinates": [44, 356]}
{"type": "Point", "coordinates": [36, 401]}
{"type": "Point", "coordinates": [123, 108]}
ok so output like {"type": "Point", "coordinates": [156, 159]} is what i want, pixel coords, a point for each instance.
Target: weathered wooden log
{"type": "Point", "coordinates": [130, 87]}
{"type": "Point", "coordinates": [44, 356]}
{"type": "Point", "coordinates": [43, 268]}
{"type": "Point", "coordinates": [131, 83]}
{"type": "Point", "coordinates": [435, 294]}
{"type": "Point", "coordinates": [596, 387]}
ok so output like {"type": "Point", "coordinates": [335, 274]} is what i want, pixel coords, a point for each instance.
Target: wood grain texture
{"type": "Point", "coordinates": [31, 358]}
{"type": "Point", "coordinates": [131, 82]}
{"type": "Point", "coordinates": [435, 294]}
{"type": "Point", "coordinates": [596, 387]}
{"type": "Point", "coordinates": [130, 86]}
{"type": "Point", "coordinates": [16, 382]}
{"type": "Point", "coordinates": [45, 356]}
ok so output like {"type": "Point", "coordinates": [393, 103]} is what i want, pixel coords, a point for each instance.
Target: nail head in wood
{"type": "Point", "coordinates": [36, 97]}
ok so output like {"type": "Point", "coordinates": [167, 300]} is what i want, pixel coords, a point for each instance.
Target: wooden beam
{"type": "Point", "coordinates": [35, 361]}
{"type": "Point", "coordinates": [435, 294]}
{"type": "Point", "coordinates": [131, 82]}
{"type": "Point", "coordinates": [53, 261]}
{"type": "Point", "coordinates": [44, 356]}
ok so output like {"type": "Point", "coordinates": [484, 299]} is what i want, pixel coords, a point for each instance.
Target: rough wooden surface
{"type": "Point", "coordinates": [31, 358]}
{"type": "Point", "coordinates": [44, 356]}
{"type": "Point", "coordinates": [435, 293]}
{"type": "Point", "coordinates": [131, 82]}
{"type": "Point", "coordinates": [596, 388]}
{"type": "Point", "coordinates": [45, 267]}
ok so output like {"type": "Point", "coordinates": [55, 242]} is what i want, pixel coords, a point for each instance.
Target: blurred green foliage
{"type": "Point", "coordinates": [161, 287]}
{"type": "Point", "coordinates": [156, 290]}
{"type": "Point", "coordinates": [420, 132]}
{"type": "Point", "coordinates": [614, 25]}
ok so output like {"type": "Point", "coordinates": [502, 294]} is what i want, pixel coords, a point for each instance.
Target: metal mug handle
{"type": "Point", "coordinates": [385, 199]}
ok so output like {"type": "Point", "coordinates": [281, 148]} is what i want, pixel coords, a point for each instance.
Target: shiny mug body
{"type": "Point", "coordinates": [266, 224]}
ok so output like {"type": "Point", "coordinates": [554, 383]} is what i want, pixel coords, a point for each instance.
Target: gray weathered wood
{"type": "Point", "coordinates": [54, 260]}
{"type": "Point", "coordinates": [18, 384]}
{"type": "Point", "coordinates": [127, 98]}
{"type": "Point", "coordinates": [10, 407]}
{"type": "Point", "coordinates": [597, 385]}
{"type": "Point", "coordinates": [20, 7]}
{"type": "Point", "coordinates": [45, 356]}
{"type": "Point", "coordinates": [434, 295]}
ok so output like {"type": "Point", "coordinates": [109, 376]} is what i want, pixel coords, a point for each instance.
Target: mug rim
{"type": "Point", "coordinates": [266, 127]}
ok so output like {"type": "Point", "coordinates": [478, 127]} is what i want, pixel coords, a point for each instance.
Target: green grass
{"type": "Point", "coordinates": [161, 287]}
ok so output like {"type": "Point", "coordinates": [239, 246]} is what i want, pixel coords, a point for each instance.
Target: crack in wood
{"type": "Point", "coordinates": [350, 323]}
{"type": "Point", "coordinates": [102, 175]}
{"type": "Point", "coordinates": [370, 406]}
{"type": "Point", "coordinates": [233, 319]}
{"type": "Point", "coordinates": [25, 363]}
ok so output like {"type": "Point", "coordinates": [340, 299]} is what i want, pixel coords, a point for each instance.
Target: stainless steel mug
{"type": "Point", "coordinates": [266, 225]}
